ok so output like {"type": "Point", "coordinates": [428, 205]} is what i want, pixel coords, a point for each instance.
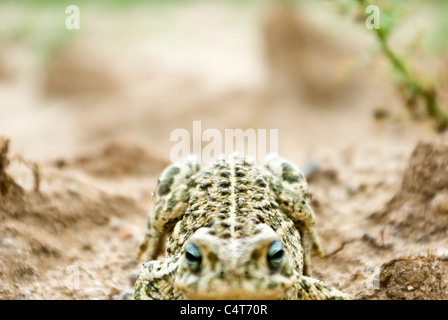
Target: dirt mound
{"type": "Point", "coordinates": [413, 278]}
{"type": "Point", "coordinates": [420, 209]}
{"type": "Point", "coordinates": [118, 159]}
{"type": "Point", "coordinates": [42, 231]}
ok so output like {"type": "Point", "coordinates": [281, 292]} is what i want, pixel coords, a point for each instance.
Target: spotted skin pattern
{"type": "Point", "coordinates": [249, 230]}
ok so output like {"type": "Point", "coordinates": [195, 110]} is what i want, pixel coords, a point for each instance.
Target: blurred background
{"type": "Point", "coordinates": [136, 70]}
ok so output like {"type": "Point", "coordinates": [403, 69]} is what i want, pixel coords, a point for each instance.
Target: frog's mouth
{"type": "Point", "coordinates": [234, 294]}
{"type": "Point", "coordinates": [247, 289]}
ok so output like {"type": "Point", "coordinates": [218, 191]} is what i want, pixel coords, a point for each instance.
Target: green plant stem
{"type": "Point", "coordinates": [412, 85]}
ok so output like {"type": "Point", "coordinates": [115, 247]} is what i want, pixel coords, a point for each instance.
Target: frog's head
{"type": "Point", "coordinates": [214, 267]}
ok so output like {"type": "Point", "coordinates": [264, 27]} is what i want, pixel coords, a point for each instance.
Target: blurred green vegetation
{"type": "Point", "coordinates": [396, 12]}
{"type": "Point", "coordinates": [120, 4]}
{"type": "Point", "coordinates": [40, 24]}
{"type": "Point", "coordinates": [65, 3]}
{"type": "Point", "coordinates": [39, 30]}
{"type": "Point", "coordinates": [434, 39]}
{"type": "Point", "coordinates": [415, 87]}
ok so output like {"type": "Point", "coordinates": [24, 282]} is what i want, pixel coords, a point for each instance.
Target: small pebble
{"type": "Point", "coordinates": [8, 243]}
{"type": "Point", "coordinates": [352, 189]}
{"type": "Point", "coordinates": [133, 277]}
{"type": "Point", "coordinates": [310, 169]}
{"type": "Point", "coordinates": [73, 190]}
{"type": "Point", "coordinates": [114, 223]}
{"type": "Point", "coordinates": [442, 255]}
{"type": "Point", "coordinates": [127, 295]}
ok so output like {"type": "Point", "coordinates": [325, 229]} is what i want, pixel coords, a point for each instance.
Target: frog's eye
{"type": "Point", "coordinates": [275, 255]}
{"type": "Point", "coordinates": [193, 257]}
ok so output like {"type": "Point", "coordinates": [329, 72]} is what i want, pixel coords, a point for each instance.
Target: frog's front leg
{"type": "Point", "coordinates": [155, 281]}
{"type": "Point", "coordinates": [291, 192]}
{"type": "Point", "coordinates": [172, 195]}
{"type": "Point", "coordinates": [306, 288]}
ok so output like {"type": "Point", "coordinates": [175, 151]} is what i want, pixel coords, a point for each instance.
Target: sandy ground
{"type": "Point", "coordinates": [90, 133]}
